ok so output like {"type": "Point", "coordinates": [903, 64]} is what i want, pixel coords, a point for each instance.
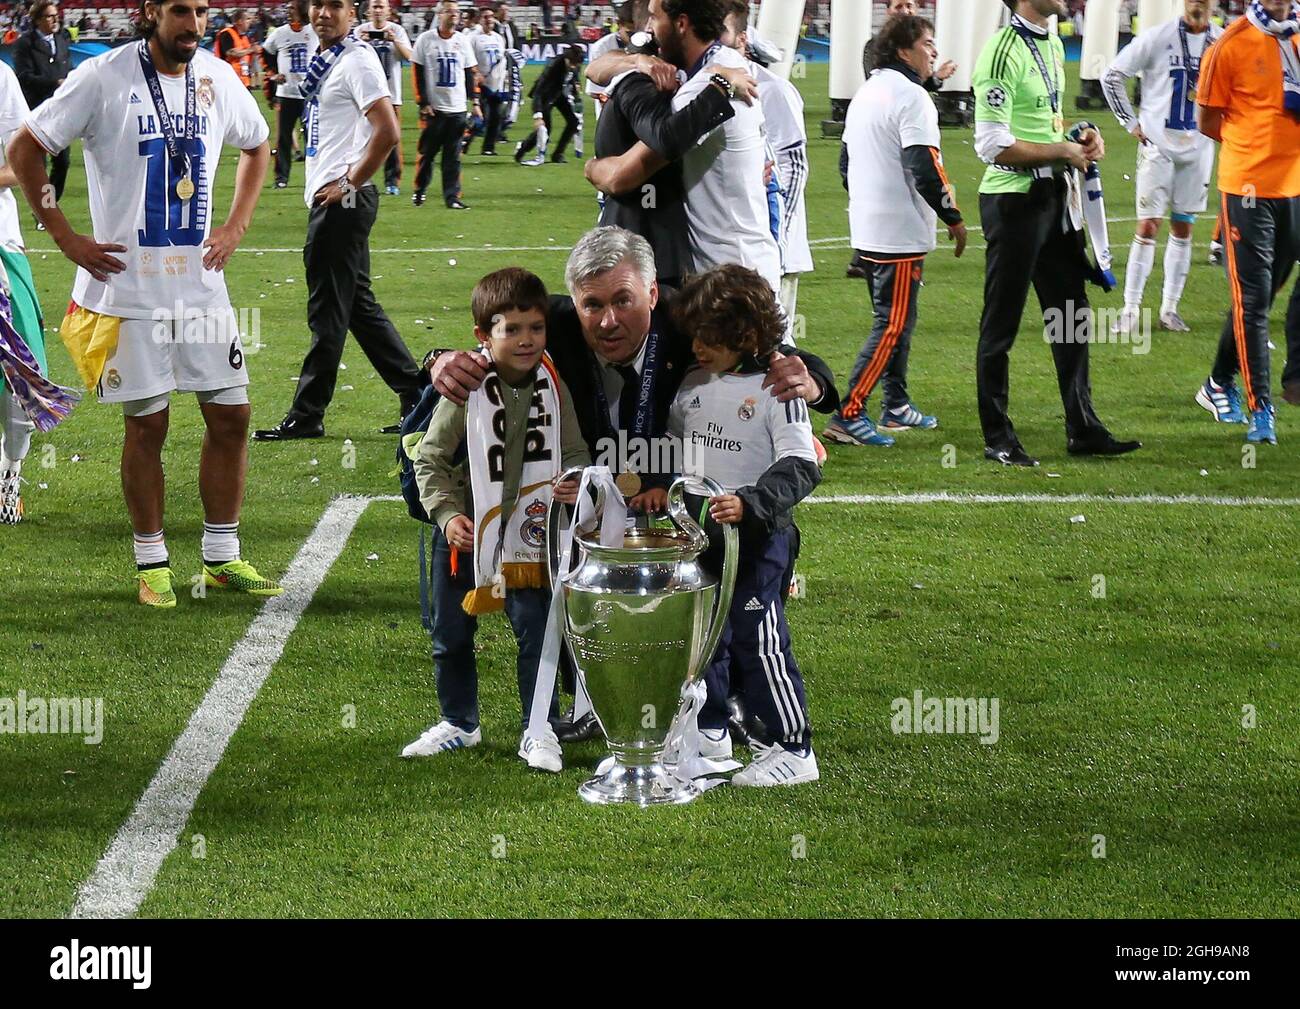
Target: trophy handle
{"type": "Point", "coordinates": [553, 513]}
{"type": "Point", "coordinates": [730, 556]}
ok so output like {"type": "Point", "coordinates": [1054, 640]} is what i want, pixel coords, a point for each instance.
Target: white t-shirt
{"type": "Point", "coordinates": [490, 54]}
{"type": "Point", "coordinates": [726, 198]}
{"type": "Point", "coordinates": [337, 127]}
{"type": "Point", "coordinates": [605, 44]}
{"type": "Point", "coordinates": [133, 201]}
{"type": "Point", "coordinates": [389, 58]}
{"type": "Point", "coordinates": [293, 51]}
{"type": "Point", "coordinates": [733, 430]}
{"type": "Point", "coordinates": [13, 110]}
{"type": "Point", "coordinates": [443, 63]}
{"type": "Point", "coordinates": [886, 214]}
{"type": "Point", "coordinates": [1168, 113]}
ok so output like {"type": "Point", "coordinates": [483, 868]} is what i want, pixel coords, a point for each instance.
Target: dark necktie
{"type": "Point", "coordinates": [627, 400]}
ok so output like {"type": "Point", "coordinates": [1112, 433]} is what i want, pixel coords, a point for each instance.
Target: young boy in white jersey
{"type": "Point", "coordinates": [1175, 160]}
{"type": "Point", "coordinates": [761, 451]}
{"type": "Point", "coordinates": [152, 117]}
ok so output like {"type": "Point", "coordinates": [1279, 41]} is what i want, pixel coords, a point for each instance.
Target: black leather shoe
{"type": "Point", "coordinates": [737, 722]}
{"type": "Point", "coordinates": [559, 159]}
{"type": "Point", "coordinates": [1291, 393]}
{"type": "Point", "coordinates": [856, 270]}
{"type": "Point", "coordinates": [1102, 444]}
{"type": "Point", "coordinates": [292, 428]}
{"type": "Point", "coordinates": [569, 731]}
{"type": "Point", "coordinates": [391, 429]}
{"type": "Point", "coordinates": [1014, 455]}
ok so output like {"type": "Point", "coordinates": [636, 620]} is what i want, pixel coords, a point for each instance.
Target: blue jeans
{"type": "Point", "coordinates": [452, 634]}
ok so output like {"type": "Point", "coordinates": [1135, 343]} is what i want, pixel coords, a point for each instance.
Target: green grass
{"type": "Point", "coordinates": [1120, 715]}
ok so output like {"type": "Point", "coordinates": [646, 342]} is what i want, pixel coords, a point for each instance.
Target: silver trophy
{"type": "Point", "coordinates": [642, 620]}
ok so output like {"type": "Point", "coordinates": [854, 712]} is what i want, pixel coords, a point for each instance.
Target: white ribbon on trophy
{"type": "Point", "coordinates": [612, 519]}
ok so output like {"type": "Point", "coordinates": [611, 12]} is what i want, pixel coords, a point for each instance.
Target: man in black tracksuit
{"type": "Point", "coordinates": [637, 110]}
{"type": "Point", "coordinates": [42, 61]}
{"type": "Point", "coordinates": [555, 89]}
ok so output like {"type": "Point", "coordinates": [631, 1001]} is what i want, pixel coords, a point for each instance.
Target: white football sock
{"type": "Point", "coordinates": [1178, 264]}
{"type": "Point", "coordinates": [1141, 261]}
{"type": "Point", "coordinates": [220, 542]}
{"type": "Point", "coordinates": [150, 549]}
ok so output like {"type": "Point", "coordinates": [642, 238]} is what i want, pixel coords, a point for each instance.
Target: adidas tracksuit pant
{"type": "Point", "coordinates": [894, 284]}
{"type": "Point", "coordinates": [755, 645]}
{"type": "Point", "coordinates": [1261, 243]}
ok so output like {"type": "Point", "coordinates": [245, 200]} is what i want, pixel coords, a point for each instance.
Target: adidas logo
{"type": "Point", "coordinates": [135, 99]}
{"type": "Point", "coordinates": [694, 404]}
{"type": "Point", "coordinates": [753, 605]}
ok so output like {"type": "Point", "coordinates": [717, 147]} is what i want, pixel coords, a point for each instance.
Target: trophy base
{"type": "Point", "coordinates": [646, 785]}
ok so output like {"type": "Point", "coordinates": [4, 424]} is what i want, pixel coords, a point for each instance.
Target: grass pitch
{"type": "Point", "coordinates": [1121, 713]}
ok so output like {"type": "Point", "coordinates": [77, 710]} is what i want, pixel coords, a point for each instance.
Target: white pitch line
{"type": "Point", "coordinates": [125, 874]}
{"type": "Point", "coordinates": [946, 497]}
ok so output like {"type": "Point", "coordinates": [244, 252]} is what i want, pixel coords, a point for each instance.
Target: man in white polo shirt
{"type": "Point", "coordinates": [727, 213]}
{"type": "Point", "coordinates": [351, 128]}
{"type": "Point", "coordinates": [153, 117]}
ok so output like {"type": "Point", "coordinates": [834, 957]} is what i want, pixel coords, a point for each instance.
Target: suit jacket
{"type": "Point", "coordinates": [578, 366]}
{"type": "Point", "coordinates": [637, 110]}
{"type": "Point", "coordinates": [506, 29]}
{"type": "Point", "coordinates": [37, 68]}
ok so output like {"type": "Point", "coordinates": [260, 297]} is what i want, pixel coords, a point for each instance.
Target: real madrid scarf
{"type": "Point", "coordinates": [1085, 209]}
{"type": "Point", "coordinates": [509, 548]}
{"type": "Point", "coordinates": [1283, 31]}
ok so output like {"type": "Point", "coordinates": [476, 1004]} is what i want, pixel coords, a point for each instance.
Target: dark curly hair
{"type": "Point", "coordinates": [730, 307]}
{"type": "Point", "coordinates": [708, 17]}
{"type": "Point", "coordinates": [902, 31]}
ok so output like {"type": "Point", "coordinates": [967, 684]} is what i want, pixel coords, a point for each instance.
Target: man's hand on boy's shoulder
{"type": "Point", "coordinates": [457, 373]}
{"type": "Point", "coordinates": [788, 378]}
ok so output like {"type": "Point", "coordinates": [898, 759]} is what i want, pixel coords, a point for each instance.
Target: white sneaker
{"type": "Point", "coordinates": [442, 738]}
{"type": "Point", "coordinates": [1126, 322]}
{"type": "Point", "coordinates": [775, 765]}
{"type": "Point", "coordinates": [1173, 322]}
{"type": "Point", "coordinates": [11, 502]}
{"type": "Point", "coordinates": [715, 744]}
{"type": "Point", "coordinates": [542, 752]}
{"type": "Point", "coordinates": [533, 162]}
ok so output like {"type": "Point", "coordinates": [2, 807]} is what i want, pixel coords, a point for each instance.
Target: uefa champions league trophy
{"type": "Point", "coordinates": [642, 621]}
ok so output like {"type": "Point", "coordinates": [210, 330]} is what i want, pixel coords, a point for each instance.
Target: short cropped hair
{"type": "Point", "coordinates": [707, 17]}
{"type": "Point", "coordinates": [731, 307]}
{"type": "Point", "coordinates": [902, 31]}
{"type": "Point", "coordinates": [606, 248]}
{"type": "Point", "coordinates": [512, 289]}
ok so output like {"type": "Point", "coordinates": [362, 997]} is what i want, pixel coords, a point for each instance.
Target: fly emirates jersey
{"type": "Point", "coordinates": [733, 430]}
{"type": "Point", "coordinates": [134, 199]}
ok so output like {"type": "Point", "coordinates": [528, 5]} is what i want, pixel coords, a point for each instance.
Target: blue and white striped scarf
{"type": "Point", "coordinates": [319, 68]}
{"type": "Point", "coordinates": [1283, 31]}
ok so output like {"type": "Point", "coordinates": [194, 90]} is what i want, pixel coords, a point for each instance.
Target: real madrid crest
{"type": "Point", "coordinates": [533, 530]}
{"type": "Point", "coordinates": [206, 92]}
{"type": "Point", "coordinates": [747, 408]}
{"type": "Point", "coordinates": [114, 379]}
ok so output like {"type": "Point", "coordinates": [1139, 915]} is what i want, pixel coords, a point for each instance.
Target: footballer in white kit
{"type": "Point", "coordinates": [153, 117]}
{"type": "Point", "coordinates": [1175, 160]}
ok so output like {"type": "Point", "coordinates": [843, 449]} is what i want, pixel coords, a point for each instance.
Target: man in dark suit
{"type": "Point", "coordinates": [506, 27]}
{"type": "Point", "coordinates": [623, 359]}
{"type": "Point", "coordinates": [554, 89]}
{"type": "Point", "coordinates": [636, 109]}
{"type": "Point", "coordinates": [42, 61]}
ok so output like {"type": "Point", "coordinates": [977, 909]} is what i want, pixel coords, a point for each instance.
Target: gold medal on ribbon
{"type": "Point", "coordinates": [629, 484]}
{"type": "Point", "coordinates": [185, 188]}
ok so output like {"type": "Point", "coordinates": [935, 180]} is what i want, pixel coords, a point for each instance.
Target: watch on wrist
{"type": "Point", "coordinates": [723, 83]}
{"type": "Point", "coordinates": [432, 356]}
